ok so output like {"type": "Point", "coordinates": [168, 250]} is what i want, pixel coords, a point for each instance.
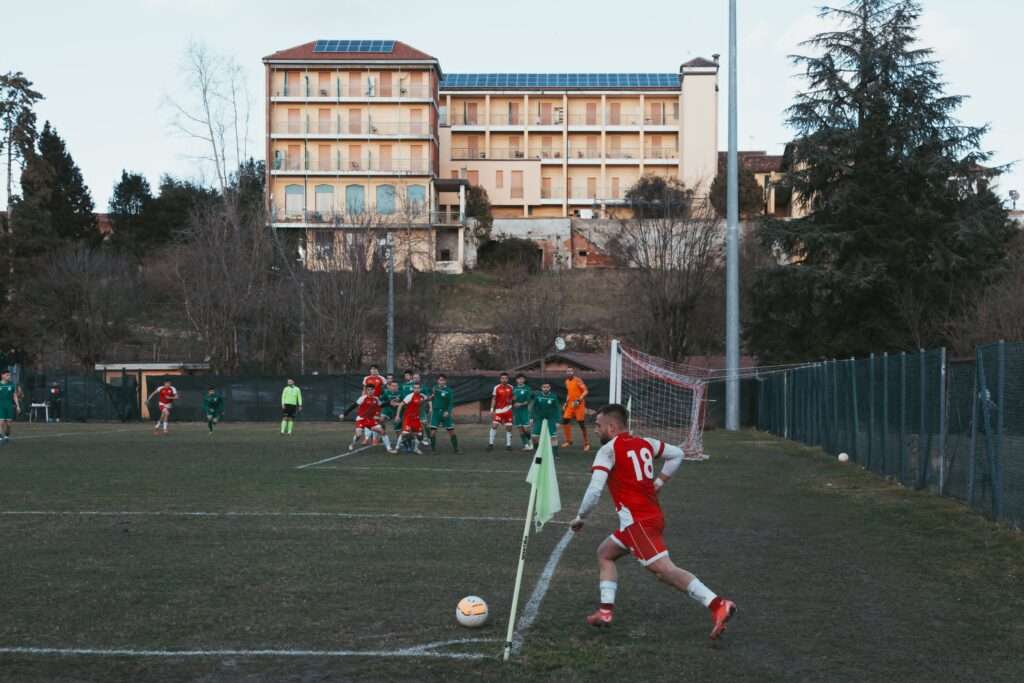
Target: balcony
{"type": "Point", "coordinates": [336, 165]}
{"type": "Point", "coordinates": [661, 153]}
{"type": "Point", "coordinates": [361, 91]}
{"type": "Point", "coordinates": [657, 120]}
{"type": "Point", "coordinates": [546, 154]}
{"type": "Point", "coordinates": [627, 155]}
{"type": "Point", "coordinates": [622, 120]}
{"type": "Point", "coordinates": [334, 217]}
{"type": "Point", "coordinates": [593, 120]}
{"type": "Point", "coordinates": [584, 152]}
{"type": "Point", "coordinates": [473, 153]}
{"type": "Point", "coordinates": [463, 118]}
{"type": "Point", "coordinates": [551, 194]}
{"type": "Point", "coordinates": [506, 119]}
{"type": "Point", "coordinates": [340, 127]}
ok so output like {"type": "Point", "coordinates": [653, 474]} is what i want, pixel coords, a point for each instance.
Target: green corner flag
{"type": "Point", "coordinates": [542, 475]}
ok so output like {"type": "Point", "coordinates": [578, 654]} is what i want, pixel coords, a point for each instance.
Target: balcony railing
{"type": "Point", "coordinates": [344, 126]}
{"type": "Point", "coordinates": [463, 153]}
{"type": "Point", "coordinates": [623, 119]}
{"type": "Point", "coordinates": [340, 164]}
{"type": "Point", "coordinates": [585, 119]}
{"type": "Point", "coordinates": [366, 218]}
{"type": "Point", "coordinates": [360, 90]}
{"type": "Point", "coordinates": [463, 118]}
{"type": "Point", "coordinates": [507, 153]}
{"type": "Point", "coordinates": [623, 153]}
{"type": "Point", "coordinates": [661, 120]}
{"type": "Point", "coordinates": [506, 119]}
{"type": "Point", "coordinates": [584, 152]}
{"type": "Point", "coordinates": [661, 153]}
{"type": "Point", "coordinates": [543, 153]}
{"type": "Point", "coordinates": [551, 192]}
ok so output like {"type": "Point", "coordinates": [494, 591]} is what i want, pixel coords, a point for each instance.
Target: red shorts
{"type": "Point", "coordinates": [643, 540]}
{"type": "Point", "coordinates": [412, 424]}
{"type": "Point", "coordinates": [366, 423]}
{"type": "Point", "coordinates": [504, 418]}
{"type": "Point", "coordinates": [165, 407]}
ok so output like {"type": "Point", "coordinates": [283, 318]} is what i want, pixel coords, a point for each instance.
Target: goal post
{"type": "Point", "coordinates": [666, 400]}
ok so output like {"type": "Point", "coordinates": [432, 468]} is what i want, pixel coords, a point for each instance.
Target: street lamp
{"type": "Point", "coordinates": [1014, 196]}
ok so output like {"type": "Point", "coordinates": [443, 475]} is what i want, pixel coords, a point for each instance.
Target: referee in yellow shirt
{"type": "Point", "coordinates": [291, 403]}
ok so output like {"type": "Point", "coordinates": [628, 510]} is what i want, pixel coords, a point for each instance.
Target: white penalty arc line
{"type": "Point", "coordinates": [425, 650]}
{"type": "Point", "coordinates": [532, 608]}
{"type": "Point", "coordinates": [343, 455]}
{"type": "Point", "coordinates": [230, 514]}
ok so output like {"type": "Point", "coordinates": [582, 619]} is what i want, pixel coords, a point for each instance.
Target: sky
{"type": "Point", "coordinates": [107, 68]}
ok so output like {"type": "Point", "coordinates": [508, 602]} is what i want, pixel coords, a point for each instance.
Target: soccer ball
{"type": "Point", "coordinates": [843, 457]}
{"type": "Point", "coordinates": [471, 611]}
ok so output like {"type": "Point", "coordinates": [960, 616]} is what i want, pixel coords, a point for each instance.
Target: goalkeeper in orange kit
{"type": "Point", "coordinates": [575, 408]}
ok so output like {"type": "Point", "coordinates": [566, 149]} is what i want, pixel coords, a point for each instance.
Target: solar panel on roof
{"type": "Point", "coordinates": [566, 80]}
{"type": "Point", "coordinates": [354, 46]}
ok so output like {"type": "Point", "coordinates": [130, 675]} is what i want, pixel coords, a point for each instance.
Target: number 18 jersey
{"type": "Point", "coordinates": [629, 462]}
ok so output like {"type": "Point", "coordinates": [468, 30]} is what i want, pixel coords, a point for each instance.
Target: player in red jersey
{"type": "Point", "coordinates": [409, 417]}
{"type": "Point", "coordinates": [375, 380]}
{"type": "Point", "coordinates": [501, 411]}
{"type": "Point", "coordinates": [368, 425]}
{"type": "Point", "coordinates": [167, 395]}
{"type": "Point", "coordinates": [626, 463]}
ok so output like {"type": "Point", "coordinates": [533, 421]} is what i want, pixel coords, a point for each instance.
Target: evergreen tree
{"type": "Point", "coordinates": [170, 212]}
{"type": "Point", "coordinates": [129, 208]}
{"type": "Point", "coordinates": [751, 196]}
{"type": "Point", "coordinates": [903, 225]}
{"type": "Point", "coordinates": [55, 203]}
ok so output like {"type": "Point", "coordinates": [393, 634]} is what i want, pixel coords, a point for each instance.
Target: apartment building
{"type": "Point", "coordinates": [571, 144]}
{"type": "Point", "coordinates": [372, 133]}
{"type": "Point", "coordinates": [352, 142]}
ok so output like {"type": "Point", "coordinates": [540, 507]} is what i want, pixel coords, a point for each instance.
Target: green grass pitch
{"type": "Point", "coordinates": [839, 576]}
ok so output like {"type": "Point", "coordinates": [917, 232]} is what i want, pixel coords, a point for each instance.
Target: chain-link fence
{"type": "Point", "coordinates": [955, 427]}
{"type": "Point", "coordinates": [78, 396]}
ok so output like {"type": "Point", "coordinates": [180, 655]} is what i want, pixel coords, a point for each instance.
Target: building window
{"type": "Point", "coordinates": [446, 255]}
{"type": "Point", "coordinates": [294, 200]}
{"type": "Point", "coordinates": [385, 199]}
{"type": "Point", "coordinates": [517, 184]}
{"type": "Point", "coordinates": [354, 200]}
{"type": "Point", "coordinates": [324, 195]}
{"type": "Point", "coordinates": [473, 177]}
{"type": "Point", "coordinates": [499, 179]}
{"type": "Point", "coordinates": [417, 195]}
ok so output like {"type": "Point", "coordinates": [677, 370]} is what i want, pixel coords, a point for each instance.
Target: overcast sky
{"type": "Point", "coordinates": [106, 67]}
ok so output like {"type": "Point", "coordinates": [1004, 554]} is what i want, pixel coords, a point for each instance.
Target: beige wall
{"type": "Point", "coordinates": [352, 82]}
{"type": "Point", "coordinates": [698, 123]}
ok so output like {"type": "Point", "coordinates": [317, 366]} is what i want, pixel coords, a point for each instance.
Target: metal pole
{"type": "Point", "coordinates": [302, 328]}
{"type": "Point", "coordinates": [943, 426]}
{"type": "Point", "coordinates": [732, 306]}
{"type": "Point", "coordinates": [391, 304]}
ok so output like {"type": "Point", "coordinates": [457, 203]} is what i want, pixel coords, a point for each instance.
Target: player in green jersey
{"type": "Point", "coordinates": [546, 406]}
{"type": "Point", "coordinates": [522, 394]}
{"type": "Point", "coordinates": [10, 405]}
{"type": "Point", "coordinates": [389, 400]}
{"type": "Point", "coordinates": [442, 407]}
{"type": "Point", "coordinates": [213, 407]}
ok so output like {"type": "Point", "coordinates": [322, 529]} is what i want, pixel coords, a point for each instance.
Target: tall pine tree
{"type": "Point", "coordinates": [55, 203]}
{"type": "Point", "coordinates": [902, 225]}
{"type": "Point", "coordinates": [128, 207]}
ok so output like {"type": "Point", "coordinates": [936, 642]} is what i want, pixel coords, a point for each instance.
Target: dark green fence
{"type": "Point", "coordinates": [953, 427]}
{"type": "Point", "coordinates": [83, 396]}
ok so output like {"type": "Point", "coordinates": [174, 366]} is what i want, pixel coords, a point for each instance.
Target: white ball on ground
{"type": "Point", "coordinates": [843, 457]}
{"type": "Point", "coordinates": [471, 611]}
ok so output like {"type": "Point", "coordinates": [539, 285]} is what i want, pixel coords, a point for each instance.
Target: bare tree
{"type": "Point", "coordinates": [533, 315]}
{"type": "Point", "coordinates": [672, 248]}
{"type": "Point", "coordinates": [215, 111]}
{"type": "Point", "coordinates": [998, 313]}
{"type": "Point", "coordinates": [81, 302]}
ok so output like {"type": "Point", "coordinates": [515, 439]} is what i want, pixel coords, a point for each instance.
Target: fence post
{"type": "Point", "coordinates": [871, 410]}
{"type": "Point", "coordinates": [855, 448]}
{"type": "Point", "coordinates": [974, 434]}
{"type": "Point", "coordinates": [885, 412]}
{"type": "Point", "coordinates": [785, 405]}
{"type": "Point", "coordinates": [943, 403]}
{"type": "Point", "coordinates": [923, 443]}
{"type": "Point", "coordinates": [997, 462]}
{"type": "Point", "coordinates": [903, 417]}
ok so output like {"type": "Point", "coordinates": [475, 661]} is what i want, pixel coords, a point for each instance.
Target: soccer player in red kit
{"type": "Point", "coordinates": [501, 411]}
{"type": "Point", "coordinates": [626, 463]}
{"type": "Point", "coordinates": [167, 395]}
{"type": "Point", "coordinates": [375, 380]}
{"type": "Point", "coordinates": [368, 420]}
{"type": "Point", "coordinates": [409, 417]}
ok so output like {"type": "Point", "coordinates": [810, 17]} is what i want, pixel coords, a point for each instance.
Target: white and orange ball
{"type": "Point", "coordinates": [843, 457]}
{"type": "Point", "coordinates": [471, 611]}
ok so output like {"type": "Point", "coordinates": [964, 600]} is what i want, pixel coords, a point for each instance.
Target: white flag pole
{"type": "Point", "coordinates": [522, 555]}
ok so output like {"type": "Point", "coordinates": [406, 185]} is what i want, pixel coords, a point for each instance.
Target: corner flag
{"type": "Point", "coordinates": [542, 475]}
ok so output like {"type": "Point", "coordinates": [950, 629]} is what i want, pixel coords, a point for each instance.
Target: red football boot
{"type": "Point", "coordinates": [601, 618]}
{"type": "Point", "coordinates": [721, 612]}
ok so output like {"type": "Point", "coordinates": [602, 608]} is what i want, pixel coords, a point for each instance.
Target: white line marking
{"type": "Point", "coordinates": [343, 455]}
{"type": "Point", "coordinates": [532, 608]}
{"type": "Point", "coordinates": [426, 650]}
{"type": "Point", "coordinates": [337, 515]}
{"type": "Point", "coordinates": [447, 470]}
{"type": "Point", "coordinates": [83, 433]}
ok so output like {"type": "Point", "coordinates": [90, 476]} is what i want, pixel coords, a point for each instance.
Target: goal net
{"type": "Point", "coordinates": [665, 399]}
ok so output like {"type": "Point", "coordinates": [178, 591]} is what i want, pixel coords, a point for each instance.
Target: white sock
{"type": "Point", "coordinates": [491, 436]}
{"type": "Point", "coordinates": [508, 438]}
{"type": "Point", "coordinates": [165, 426]}
{"type": "Point", "coordinates": [387, 441]}
{"type": "Point", "coordinates": [699, 592]}
{"type": "Point", "coordinates": [608, 591]}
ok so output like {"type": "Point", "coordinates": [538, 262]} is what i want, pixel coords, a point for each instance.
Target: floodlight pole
{"type": "Point", "coordinates": [732, 278]}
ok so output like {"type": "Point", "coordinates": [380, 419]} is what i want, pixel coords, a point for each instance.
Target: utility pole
{"type": "Point", "coordinates": [732, 279]}
{"type": "Point", "coordinates": [302, 328]}
{"type": "Point", "coordinates": [390, 246]}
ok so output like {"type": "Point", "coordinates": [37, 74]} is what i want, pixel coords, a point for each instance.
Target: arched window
{"type": "Point", "coordinates": [417, 195]}
{"type": "Point", "coordinates": [385, 199]}
{"type": "Point", "coordinates": [354, 200]}
{"type": "Point", "coordinates": [325, 200]}
{"type": "Point", "coordinates": [294, 200]}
